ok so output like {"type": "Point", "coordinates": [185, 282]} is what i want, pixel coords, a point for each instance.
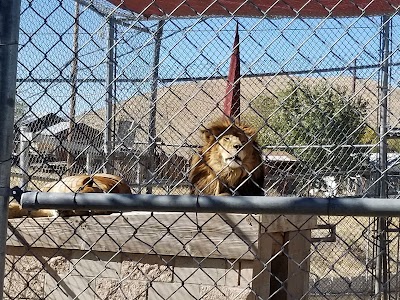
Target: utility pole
{"type": "Point", "coordinates": [74, 90]}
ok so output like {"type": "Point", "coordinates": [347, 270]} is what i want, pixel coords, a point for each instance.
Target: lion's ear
{"type": "Point", "coordinates": [248, 130]}
{"type": "Point", "coordinates": [207, 135]}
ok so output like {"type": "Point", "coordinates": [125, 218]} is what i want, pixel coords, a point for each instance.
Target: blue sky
{"type": "Point", "coordinates": [190, 48]}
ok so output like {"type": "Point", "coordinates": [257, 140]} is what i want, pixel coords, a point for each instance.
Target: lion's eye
{"type": "Point", "coordinates": [243, 139]}
{"type": "Point", "coordinates": [226, 138]}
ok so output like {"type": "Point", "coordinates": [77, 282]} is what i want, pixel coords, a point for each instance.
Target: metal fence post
{"type": "Point", "coordinates": [74, 90]}
{"type": "Point", "coordinates": [110, 95]}
{"type": "Point", "coordinates": [24, 144]}
{"type": "Point", "coordinates": [381, 282]}
{"type": "Point", "coordinates": [153, 107]}
{"type": "Point", "coordinates": [9, 31]}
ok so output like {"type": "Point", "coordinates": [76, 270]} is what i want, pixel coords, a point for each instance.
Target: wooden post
{"type": "Point", "coordinates": [262, 269]}
{"type": "Point", "coordinates": [283, 276]}
{"type": "Point", "coordinates": [298, 267]}
{"type": "Point", "coordinates": [89, 161]}
{"type": "Point", "coordinates": [24, 145]}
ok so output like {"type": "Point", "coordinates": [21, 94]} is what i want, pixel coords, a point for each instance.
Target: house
{"type": "Point", "coordinates": [280, 169]}
{"type": "Point", "coordinates": [38, 122]}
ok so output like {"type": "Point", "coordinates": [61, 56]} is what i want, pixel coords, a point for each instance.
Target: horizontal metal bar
{"type": "Point", "coordinates": [228, 204]}
{"type": "Point", "coordinates": [328, 238]}
{"type": "Point", "coordinates": [202, 78]}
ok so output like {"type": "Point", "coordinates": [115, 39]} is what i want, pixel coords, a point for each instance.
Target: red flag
{"type": "Point", "coordinates": [232, 97]}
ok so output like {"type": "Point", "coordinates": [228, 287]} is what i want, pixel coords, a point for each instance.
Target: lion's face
{"type": "Point", "coordinates": [228, 147]}
{"type": "Point", "coordinates": [233, 149]}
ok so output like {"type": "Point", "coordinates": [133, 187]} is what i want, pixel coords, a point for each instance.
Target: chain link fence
{"type": "Point", "coordinates": [104, 89]}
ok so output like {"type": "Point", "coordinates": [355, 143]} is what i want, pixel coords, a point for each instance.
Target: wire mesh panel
{"type": "Point", "coordinates": [132, 93]}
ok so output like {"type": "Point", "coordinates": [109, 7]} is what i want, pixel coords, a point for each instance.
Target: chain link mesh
{"type": "Point", "coordinates": [94, 96]}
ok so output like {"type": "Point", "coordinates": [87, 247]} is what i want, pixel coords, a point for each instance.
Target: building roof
{"type": "Point", "coordinates": [279, 156]}
{"type": "Point", "coordinates": [38, 121]}
{"type": "Point", "coordinates": [393, 161]}
{"type": "Point", "coordinates": [258, 8]}
{"type": "Point", "coordinates": [64, 126]}
{"type": "Point", "coordinates": [55, 129]}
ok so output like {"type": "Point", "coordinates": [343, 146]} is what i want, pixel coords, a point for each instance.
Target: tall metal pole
{"type": "Point", "coordinates": [74, 88]}
{"type": "Point", "coordinates": [354, 76]}
{"type": "Point", "coordinates": [381, 282]}
{"type": "Point", "coordinates": [153, 107]}
{"type": "Point", "coordinates": [9, 30]}
{"type": "Point", "coordinates": [110, 96]}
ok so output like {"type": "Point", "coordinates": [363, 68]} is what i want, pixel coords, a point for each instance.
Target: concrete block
{"type": "Point", "coordinates": [35, 288]}
{"type": "Point", "coordinates": [199, 270]}
{"type": "Point", "coordinates": [208, 292]}
{"type": "Point", "coordinates": [71, 287]}
{"type": "Point", "coordinates": [177, 291]}
{"type": "Point", "coordinates": [37, 260]}
{"type": "Point", "coordinates": [232, 273]}
{"type": "Point", "coordinates": [239, 274]}
{"type": "Point", "coordinates": [24, 285]}
{"type": "Point", "coordinates": [95, 264]}
{"type": "Point", "coordinates": [111, 289]}
{"type": "Point", "coordinates": [14, 285]}
{"type": "Point", "coordinates": [145, 268]}
{"type": "Point", "coordinates": [60, 264]}
{"type": "Point", "coordinates": [27, 264]}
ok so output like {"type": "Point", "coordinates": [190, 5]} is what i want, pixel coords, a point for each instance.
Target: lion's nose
{"type": "Point", "coordinates": [237, 146]}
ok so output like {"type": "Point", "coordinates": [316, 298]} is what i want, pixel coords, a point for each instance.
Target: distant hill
{"type": "Point", "coordinates": [182, 108]}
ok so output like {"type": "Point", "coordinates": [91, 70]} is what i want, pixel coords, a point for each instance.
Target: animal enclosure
{"type": "Point", "coordinates": [126, 87]}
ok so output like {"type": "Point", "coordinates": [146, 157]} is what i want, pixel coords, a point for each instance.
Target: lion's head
{"type": "Point", "coordinates": [229, 161]}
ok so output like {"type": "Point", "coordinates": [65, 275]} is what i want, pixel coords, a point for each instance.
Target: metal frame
{"type": "Point", "coordinates": [9, 34]}
{"type": "Point", "coordinates": [237, 204]}
{"type": "Point", "coordinates": [9, 28]}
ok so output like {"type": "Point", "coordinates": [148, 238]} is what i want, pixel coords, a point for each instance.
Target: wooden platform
{"type": "Point", "coordinates": [237, 253]}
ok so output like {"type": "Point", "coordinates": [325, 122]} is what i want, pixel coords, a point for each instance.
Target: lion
{"type": "Point", "coordinates": [229, 162]}
{"type": "Point", "coordinates": [97, 183]}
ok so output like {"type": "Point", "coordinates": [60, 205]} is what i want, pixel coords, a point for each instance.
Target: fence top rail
{"type": "Point", "coordinates": [345, 206]}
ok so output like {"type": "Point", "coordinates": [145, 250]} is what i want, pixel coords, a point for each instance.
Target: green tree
{"type": "Point", "coordinates": [322, 121]}
{"type": "Point", "coordinates": [394, 145]}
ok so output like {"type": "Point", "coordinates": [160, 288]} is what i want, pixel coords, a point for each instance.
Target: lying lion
{"type": "Point", "coordinates": [229, 162]}
{"type": "Point", "coordinates": [98, 183]}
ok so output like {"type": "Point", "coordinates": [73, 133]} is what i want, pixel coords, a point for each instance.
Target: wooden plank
{"type": "Point", "coordinates": [286, 223]}
{"type": "Point", "coordinates": [204, 235]}
{"type": "Point", "coordinates": [230, 236]}
{"type": "Point", "coordinates": [44, 233]}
